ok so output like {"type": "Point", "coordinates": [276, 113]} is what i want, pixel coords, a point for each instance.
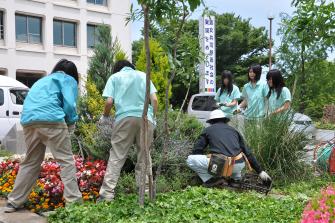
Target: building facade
{"type": "Point", "coordinates": [35, 34]}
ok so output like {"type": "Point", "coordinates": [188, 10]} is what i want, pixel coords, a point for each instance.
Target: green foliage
{"type": "Point", "coordinates": [106, 52]}
{"type": "Point", "coordinates": [159, 69]}
{"type": "Point", "coordinates": [236, 38]}
{"type": "Point", "coordinates": [94, 139]}
{"type": "Point", "coordinates": [320, 91]}
{"type": "Point", "coordinates": [4, 153]}
{"type": "Point", "coordinates": [278, 149]}
{"type": "Point", "coordinates": [325, 125]}
{"type": "Point", "coordinates": [314, 22]}
{"type": "Point", "coordinates": [234, 35]}
{"type": "Point", "coordinates": [197, 204]}
{"type": "Point", "coordinates": [307, 38]}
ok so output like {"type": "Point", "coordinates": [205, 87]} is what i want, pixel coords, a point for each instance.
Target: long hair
{"type": "Point", "coordinates": [257, 69]}
{"type": "Point", "coordinates": [277, 82]}
{"type": "Point", "coordinates": [226, 74]}
{"type": "Point", "coordinates": [67, 67]}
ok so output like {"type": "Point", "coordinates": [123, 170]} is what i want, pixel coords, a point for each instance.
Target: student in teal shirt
{"type": "Point", "coordinates": [254, 94]}
{"type": "Point", "coordinates": [279, 96]}
{"type": "Point", "coordinates": [228, 94]}
{"type": "Point", "coordinates": [48, 118]}
{"type": "Point", "coordinates": [125, 89]}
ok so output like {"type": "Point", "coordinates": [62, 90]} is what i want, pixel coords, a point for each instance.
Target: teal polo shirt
{"type": "Point", "coordinates": [275, 103]}
{"type": "Point", "coordinates": [255, 96]}
{"type": "Point", "coordinates": [226, 98]}
{"type": "Point", "coordinates": [52, 99]}
{"type": "Point", "coordinates": [127, 88]}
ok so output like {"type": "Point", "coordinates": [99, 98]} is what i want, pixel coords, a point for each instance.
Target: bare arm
{"type": "Point", "coordinates": [108, 106]}
{"type": "Point", "coordinates": [243, 103]}
{"type": "Point", "coordinates": [283, 108]}
{"type": "Point", "coordinates": [232, 104]}
{"type": "Point", "coordinates": [154, 103]}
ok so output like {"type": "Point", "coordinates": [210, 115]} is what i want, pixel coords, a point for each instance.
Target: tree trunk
{"type": "Point", "coordinates": [302, 80]}
{"type": "Point", "coordinates": [185, 98]}
{"type": "Point", "coordinates": [144, 130]}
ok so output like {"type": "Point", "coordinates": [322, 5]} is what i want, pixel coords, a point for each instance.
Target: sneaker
{"type": "Point", "coordinates": [10, 208]}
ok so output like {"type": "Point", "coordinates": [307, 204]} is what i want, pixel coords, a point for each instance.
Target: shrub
{"type": "Point", "coordinates": [277, 147]}
{"type": "Point", "coordinates": [159, 69]}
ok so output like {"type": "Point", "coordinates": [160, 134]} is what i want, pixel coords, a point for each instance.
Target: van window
{"type": "Point", "coordinates": [204, 103]}
{"type": "Point", "coordinates": [2, 99]}
{"type": "Point", "coordinates": [18, 96]}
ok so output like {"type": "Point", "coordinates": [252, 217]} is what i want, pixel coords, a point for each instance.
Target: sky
{"type": "Point", "coordinates": [257, 10]}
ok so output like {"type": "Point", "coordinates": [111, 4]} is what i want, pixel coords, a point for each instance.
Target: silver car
{"type": "Point", "coordinates": [202, 104]}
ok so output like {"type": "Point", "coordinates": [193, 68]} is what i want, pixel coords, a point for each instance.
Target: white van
{"type": "Point", "coordinates": [12, 95]}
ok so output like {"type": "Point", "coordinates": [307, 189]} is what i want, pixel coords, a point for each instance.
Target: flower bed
{"type": "Point", "coordinates": [321, 209]}
{"type": "Point", "coordinates": [47, 194]}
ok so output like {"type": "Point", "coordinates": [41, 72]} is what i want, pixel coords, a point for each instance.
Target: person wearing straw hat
{"type": "Point", "coordinates": [228, 154]}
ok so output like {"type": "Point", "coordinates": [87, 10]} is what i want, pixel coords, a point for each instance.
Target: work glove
{"type": "Point", "coordinates": [71, 128]}
{"type": "Point", "coordinates": [264, 176]}
{"type": "Point", "coordinates": [105, 120]}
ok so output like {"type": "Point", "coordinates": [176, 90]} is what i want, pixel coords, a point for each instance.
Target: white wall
{"type": "Point", "coordinates": [18, 56]}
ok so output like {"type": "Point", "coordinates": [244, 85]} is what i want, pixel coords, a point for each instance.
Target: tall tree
{"type": "Point", "coordinates": [106, 51]}
{"type": "Point", "coordinates": [309, 32]}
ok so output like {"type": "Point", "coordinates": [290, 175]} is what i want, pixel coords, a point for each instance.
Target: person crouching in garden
{"type": "Point", "coordinates": [227, 153]}
{"type": "Point", "coordinates": [48, 118]}
{"type": "Point", "coordinates": [126, 90]}
{"type": "Point", "coordinates": [279, 96]}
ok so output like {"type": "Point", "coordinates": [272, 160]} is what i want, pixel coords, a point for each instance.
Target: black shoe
{"type": "Point", "coordinates": [10, 208]}
{"type": "Point", "coordinates": [214, 182]}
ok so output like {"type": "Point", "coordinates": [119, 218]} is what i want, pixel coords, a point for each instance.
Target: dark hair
{"type": "Point", "coordinates": [67, 67]}
{"type": "Point", "coordinates": [119, 65]}
{"type": "Point", "coordinates": [257, 69]}
{"type": "Point", "coordinates": [218, 120]}
{"type": "Point", "coordinates": [226, 74]}
{"type": "Point", "coordinates": [277, 82]}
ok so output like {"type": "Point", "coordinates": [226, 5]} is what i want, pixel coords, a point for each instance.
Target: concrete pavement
{"type": "Point", "coordinates": [22, 216]}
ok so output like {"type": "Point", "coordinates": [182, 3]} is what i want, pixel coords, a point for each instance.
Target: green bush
{"type": "Point", "coordinates": [160, 69]}
{"type": "Point", "coordinates": [277, 147]}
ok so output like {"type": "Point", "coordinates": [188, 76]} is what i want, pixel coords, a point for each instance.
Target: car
{"type": "Point", "coordinates": [200, 106]}
{"type": "Point", "coordinates": [12, 95]}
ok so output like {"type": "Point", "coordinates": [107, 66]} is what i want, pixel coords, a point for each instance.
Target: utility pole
{"type": "Point", "coordinates": [270, 17]}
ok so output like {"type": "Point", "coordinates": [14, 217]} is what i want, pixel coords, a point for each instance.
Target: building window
{"type": "Point", "coordinates": [28, 29]}
{"type": "Point", "coordinates": [98, 2]}
{"type": "Point", "coordinates": [92, 35]}
{"type": "Point", "coordinates": [2, 27]}
{"type": "Point", "coordinates": [65, 33]}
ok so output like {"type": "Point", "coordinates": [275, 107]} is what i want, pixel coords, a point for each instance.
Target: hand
{"type": "Point", "coordinates": [71, 128]}
{"type": "Point", "coordinates": [264, 176]}
{"type": "Point", "coordinates": [105, 120]}
{"type": "Point", "coordinates": [223, 104]}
